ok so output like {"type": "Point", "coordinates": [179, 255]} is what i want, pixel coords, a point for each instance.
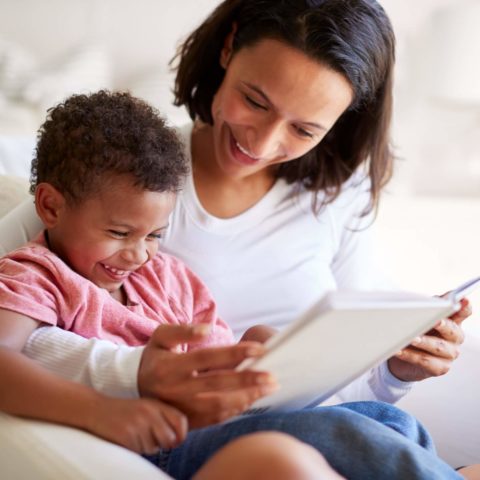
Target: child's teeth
{"type": "Point", "coordinates": [114, 270]}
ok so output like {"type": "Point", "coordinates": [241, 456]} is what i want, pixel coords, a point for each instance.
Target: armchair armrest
{"type": "Point", "coordinates": [31, 449]}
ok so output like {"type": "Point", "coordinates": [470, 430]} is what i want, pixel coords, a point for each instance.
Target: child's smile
{"type": "Point", "coordinates": [112, 233]}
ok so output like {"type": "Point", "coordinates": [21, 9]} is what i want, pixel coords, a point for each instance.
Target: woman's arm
{"type": "Point", "coordinates": [28, 390]}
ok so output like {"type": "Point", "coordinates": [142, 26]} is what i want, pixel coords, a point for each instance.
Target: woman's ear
{"type": "Point", "coordinates": [49, 202]}
{"type": "Point", "coordinates": [227, 50]}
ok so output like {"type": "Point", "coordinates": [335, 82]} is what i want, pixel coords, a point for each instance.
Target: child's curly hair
{"type": "Point", "coordinates": [89, 138]}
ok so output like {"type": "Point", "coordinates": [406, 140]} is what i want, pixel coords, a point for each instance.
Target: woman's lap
{"type": "Point", "coordinates": [350, 436]}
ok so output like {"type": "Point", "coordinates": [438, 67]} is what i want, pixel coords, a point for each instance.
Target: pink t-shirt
{"type": "Point", "coordinates": [38, 284]}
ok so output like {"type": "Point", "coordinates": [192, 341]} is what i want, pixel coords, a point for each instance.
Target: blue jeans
{"type": "Point", "coordinates": [360, 440]}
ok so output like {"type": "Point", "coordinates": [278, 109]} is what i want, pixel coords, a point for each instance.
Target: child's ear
{"type": "Point", "coordinates": [49, 202]}
{"type": "Point", "coordinates": [227, 50]}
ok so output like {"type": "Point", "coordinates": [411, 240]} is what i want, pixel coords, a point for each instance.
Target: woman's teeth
{"type": "Point", "coordinates": [246, 152]}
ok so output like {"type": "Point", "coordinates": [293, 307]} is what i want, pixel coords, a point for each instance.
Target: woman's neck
{"type": "Point", "coordinates": [219, 193]}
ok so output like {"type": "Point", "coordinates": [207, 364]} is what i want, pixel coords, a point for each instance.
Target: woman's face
{"type": "Point", "coordinates": [274, 105]}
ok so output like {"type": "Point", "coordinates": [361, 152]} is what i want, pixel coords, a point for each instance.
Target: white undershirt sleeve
{"type": "Point", "coordinates": [108, 368]}
{"type": "Point", "coordinates": [378, 384]}
{"type": "Point", "coordinates": [355, 267]}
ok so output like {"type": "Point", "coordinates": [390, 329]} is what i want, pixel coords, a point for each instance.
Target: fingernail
{"type": "Point", "coordinates": [417, 340]}
{"type": "Point", "coordinates": [255, 350]}
{"type": "Point", "coordinates": [265, 389]}
{"type": "Point", "coordinates": [201, 329]}
{"type": "Point", "coordinates": [266, 379]}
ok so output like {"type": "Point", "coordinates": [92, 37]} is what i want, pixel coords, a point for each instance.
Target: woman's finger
{"type": "Point", "coordinates": [464, 312]}
{"type": "Point", "coordinates": [177, 421]}
{"type": "Point", "coordinates": [432, 366]}
{"type": "Point", "coordinates": [436, 346]}
{"type": "Point", "coordinates": [163, 435]}
{"type": "Point", "coordinates": [450, 331]}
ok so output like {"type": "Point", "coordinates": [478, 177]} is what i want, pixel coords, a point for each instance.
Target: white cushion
{"type": "Point", "coordinates": [43, 451]}
{"type": "Point", "coordinates": [16, 153]}
{"type": "Point", "coordinates": [13, 190]}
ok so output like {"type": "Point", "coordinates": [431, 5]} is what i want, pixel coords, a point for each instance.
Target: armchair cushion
{"type": "Point", "coordinates": [31, 449]}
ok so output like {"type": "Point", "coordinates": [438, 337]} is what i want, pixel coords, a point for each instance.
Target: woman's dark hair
{"type": "Point", "coordinates": [352, 37]}
{"type": "Point", "coordinates": [90, 138]}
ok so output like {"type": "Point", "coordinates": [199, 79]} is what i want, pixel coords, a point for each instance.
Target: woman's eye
{"type": "Point", "coordinates": [254, 104]}
{"type": "Point", "coordinates": [304, 133]}
{"type": "Point", "coordinates": [116, 233]}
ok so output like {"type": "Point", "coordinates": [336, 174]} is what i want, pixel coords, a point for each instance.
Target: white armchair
{"type": "Point", "coordinates": [42, 451]}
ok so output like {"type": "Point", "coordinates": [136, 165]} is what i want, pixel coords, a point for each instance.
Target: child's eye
{"type": "Point", "coordinates": [254, 104]}
{"type": "Point", "coordinates": [156, 236]}
{"type": "Point", "coordinates": [116, 233]}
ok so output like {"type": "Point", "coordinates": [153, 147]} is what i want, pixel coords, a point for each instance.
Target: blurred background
{"type": "Point", "coordinates": [428, 229]}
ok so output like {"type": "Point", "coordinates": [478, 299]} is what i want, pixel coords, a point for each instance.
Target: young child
{"type": "Point", "coordinates": [104, 178]}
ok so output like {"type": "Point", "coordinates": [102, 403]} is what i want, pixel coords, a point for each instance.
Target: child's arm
{"type": "Point", "coordinates": [30, 391]}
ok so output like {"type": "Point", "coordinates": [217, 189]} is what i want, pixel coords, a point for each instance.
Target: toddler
{"type": "Point", "coordinates": [106, 172]}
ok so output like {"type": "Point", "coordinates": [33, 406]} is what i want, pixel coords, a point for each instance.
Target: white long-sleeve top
{"type": "Point", "coordinates": [264, 266]}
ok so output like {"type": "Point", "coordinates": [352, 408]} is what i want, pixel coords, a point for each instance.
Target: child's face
{"type": "Point", "coordinates": [107, 237]}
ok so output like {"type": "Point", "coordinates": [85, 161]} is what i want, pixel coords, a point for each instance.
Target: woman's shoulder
{"type": "Point", "coordinates": [353, 204]}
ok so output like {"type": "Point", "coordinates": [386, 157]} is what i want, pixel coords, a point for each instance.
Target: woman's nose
{"type": "Point", "coordinates": [266, 140]}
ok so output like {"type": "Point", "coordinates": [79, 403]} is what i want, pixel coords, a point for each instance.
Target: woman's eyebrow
{"type": "Point", "coordinates": [260, 92]}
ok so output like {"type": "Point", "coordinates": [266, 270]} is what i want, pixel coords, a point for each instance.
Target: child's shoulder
{"type": "Point", "coordinates": [32, 256]}
{"type": "Point", "coordinates": [31, 251]}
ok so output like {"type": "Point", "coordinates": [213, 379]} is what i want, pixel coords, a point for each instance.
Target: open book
{"type": "Point", "coordinates": [342, 336]}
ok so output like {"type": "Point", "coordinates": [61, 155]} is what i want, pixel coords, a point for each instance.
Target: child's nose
{"type": "Point", "coordinates": [136, 254]}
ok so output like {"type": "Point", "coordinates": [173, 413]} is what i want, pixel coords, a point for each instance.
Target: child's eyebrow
{"type": "Point", "coordinates": [132, 228]}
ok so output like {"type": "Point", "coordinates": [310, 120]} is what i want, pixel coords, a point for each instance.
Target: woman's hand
{"type": "Point", "coordinates": [203, 383]}
{"type": "Point", "coordinates": [143, 425]}
{"type": "Point", "coordinates": [432, 354]}
{"type": "Point", "coordinates": [258, 333]}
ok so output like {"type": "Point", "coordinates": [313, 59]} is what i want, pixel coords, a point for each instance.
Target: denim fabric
{"type": "Point", "coordinates": [361, 440]}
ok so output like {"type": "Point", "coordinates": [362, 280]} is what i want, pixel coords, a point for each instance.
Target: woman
{"type": "Point", "coordinates": [289, 148]}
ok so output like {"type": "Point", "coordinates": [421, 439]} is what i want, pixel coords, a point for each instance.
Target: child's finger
{"type": "Point", "coordinates": [169, 336]}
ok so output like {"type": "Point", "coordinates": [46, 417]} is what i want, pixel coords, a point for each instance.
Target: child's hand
{"type": "Point", "coordinates": [202, 383]}
{"type": "Point", "coordinates": [141, 425]}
